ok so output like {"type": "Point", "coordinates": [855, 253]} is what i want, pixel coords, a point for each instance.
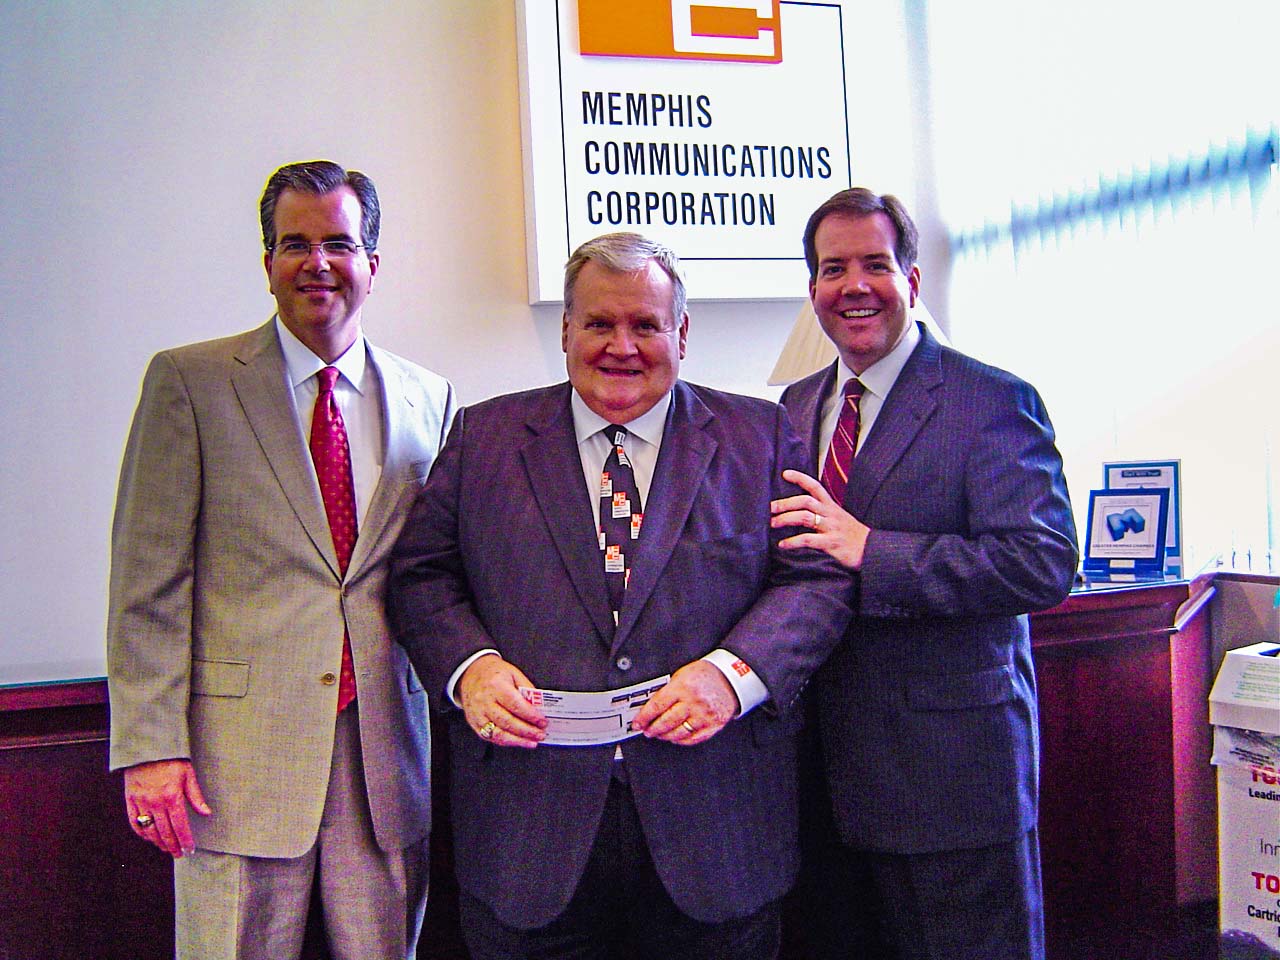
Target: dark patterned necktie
{"type": "Point", "coordinates": [332, 458]}
{"type": "Point", "coordinates": [835, 471]}
{"type": "Point", "coordinates": [620, 515]}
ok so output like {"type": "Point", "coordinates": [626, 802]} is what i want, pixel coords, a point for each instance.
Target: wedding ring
{"type": "Point", "coordinates": [688, 726]}
{"type": "Point", "coordinates": [144, 820]}
{"type": "Point", "coordinates": [817, 520]}
{"type": "Point", "coordinates": [487, 730]}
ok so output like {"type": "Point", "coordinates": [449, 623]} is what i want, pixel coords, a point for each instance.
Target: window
{"type": "Point", "coordinates": [1107, 172]}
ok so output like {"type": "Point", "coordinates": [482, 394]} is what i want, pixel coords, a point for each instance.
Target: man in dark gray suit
{"type": "Point", "coordinates": [680, 840]}
{"type": "Point", "coordinates": [953, 522]}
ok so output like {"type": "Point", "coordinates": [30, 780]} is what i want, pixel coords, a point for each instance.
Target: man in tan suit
{"type": "Point", "coordinates": [246, 609]}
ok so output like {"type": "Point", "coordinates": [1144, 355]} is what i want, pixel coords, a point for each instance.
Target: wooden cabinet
{"type": "Point", "coordinates": [1127, 797]}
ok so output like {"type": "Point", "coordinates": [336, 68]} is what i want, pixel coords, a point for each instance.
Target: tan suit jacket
{"type": "Point", "coordinates": [227, 607]}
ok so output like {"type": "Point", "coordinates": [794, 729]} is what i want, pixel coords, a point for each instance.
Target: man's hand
{"type": "Point", "coordinates": [692, 708]}
{"type": "Point", "coordinates": [158, 794]}
{"type": "Point", "coordinates": [833, 529]}
{"type": "Point", "coordinates": [489, 691]}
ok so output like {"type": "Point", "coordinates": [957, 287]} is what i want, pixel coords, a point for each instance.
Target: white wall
{"type": "Point", "coordinates": [136, 138]}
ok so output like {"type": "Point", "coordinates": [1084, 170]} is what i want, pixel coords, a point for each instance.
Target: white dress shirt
{"type": "Point", "coordinates": [359, 398]}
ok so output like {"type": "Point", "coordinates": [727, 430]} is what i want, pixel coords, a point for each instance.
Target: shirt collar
{"type": "Point", "coordinates": [303, 364]}
{"type": "Point", "coordinates": [647, 427]}
{"type": "Point", "coordinates": [880, 377]}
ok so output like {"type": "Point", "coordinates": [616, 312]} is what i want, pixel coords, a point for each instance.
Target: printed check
{"type": "Point", "coordinates": [577, 719]}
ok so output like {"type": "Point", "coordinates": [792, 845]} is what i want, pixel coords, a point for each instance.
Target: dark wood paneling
{"type": "Point", "coordinates": [1109, 799]}
{"type": "Point", "coordinates": [74, 880]}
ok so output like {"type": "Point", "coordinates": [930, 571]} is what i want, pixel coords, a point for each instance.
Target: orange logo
{"type": "Point", "coordinates": [749, 30]}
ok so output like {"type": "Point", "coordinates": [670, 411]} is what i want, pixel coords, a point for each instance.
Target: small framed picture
{"type": "Point", "coordinates": [1146, 474]}
{"type": "Point", "coordinates": [1126, 534]}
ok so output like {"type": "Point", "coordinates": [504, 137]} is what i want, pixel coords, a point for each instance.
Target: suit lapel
{"type": "Point", "coordinates": [397, 406]}
{"type": "Point", "coordinates": [804, 406]}
{"type": "Point", "coordinates": [267, 399]}
{"type": "Point", "coordinates": [554, 467]}
{"type": "Point", "coordinates": [908, 407]}
{"type": "Point", "coordinates": [682, 462]}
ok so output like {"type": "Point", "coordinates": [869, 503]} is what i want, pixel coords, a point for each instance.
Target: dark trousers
{"type": "Point", "coordinates": [621, 910]}
{"type": "Point", "coordinates": [980, 904]}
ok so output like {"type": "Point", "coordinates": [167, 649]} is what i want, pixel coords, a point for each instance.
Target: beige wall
{"type": "Point", "coordinates": [136, 140]}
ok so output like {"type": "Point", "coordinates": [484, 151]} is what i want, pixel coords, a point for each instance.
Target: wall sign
{"type": "Point", "coordinates": [713, 127]}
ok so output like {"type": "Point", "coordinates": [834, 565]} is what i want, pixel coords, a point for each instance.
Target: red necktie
{"type": "Point", "coordinates": [332, 458]}
{"type": "Point", "coordinates": [835, 471]}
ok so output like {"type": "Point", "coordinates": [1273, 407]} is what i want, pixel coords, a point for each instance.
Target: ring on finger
{"type": "Point", "coordinates": [487, 730]}
{"type": "Point", "coordinates": [144, 820]}
{"type": "Point", "coordinates": [817, 521]}
{"type": "Point", "coordinates": [688, 726]}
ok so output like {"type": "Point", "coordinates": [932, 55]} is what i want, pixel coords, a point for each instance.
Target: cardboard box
{"type": "Point", "coordinates": [1244, 707]}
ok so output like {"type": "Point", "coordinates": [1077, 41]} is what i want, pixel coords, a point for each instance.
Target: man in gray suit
{"type": "Point", "coordinates": [252, 674]}
{"type": "Point", "coordinates": [942, 494]}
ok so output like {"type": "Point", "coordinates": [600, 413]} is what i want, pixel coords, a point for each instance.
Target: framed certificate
{"type": "Point", "coordinates": [1147, 474]}
{"type": "Point", "coordinates": [1126, 534]}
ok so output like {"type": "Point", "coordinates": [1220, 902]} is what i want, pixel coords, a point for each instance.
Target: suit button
{"type": "Point", "coordinates": [624, 662]}
{"type": "Point", "coordinates": [328, 679]}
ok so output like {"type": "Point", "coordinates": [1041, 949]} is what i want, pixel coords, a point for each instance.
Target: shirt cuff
{"type": "Point", "coordinates": [454, 677]}
{"type": "Point", "coordinates": [746, 682]}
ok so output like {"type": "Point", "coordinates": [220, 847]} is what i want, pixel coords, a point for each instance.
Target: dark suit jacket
{"type": "Point", "coordinates": [500, 551]}
{"type": "Point", "coordinates": [928, 708]}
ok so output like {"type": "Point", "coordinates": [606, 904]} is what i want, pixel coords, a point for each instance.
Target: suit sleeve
{"type": "Point", "coordinates": [149, 620]}
{"type": "Point", "coordinates": [428, 581]}
{"type": "Point", "coordinates": [1016, 551]}
{"type": "Point", "coordinates": [803, 611]}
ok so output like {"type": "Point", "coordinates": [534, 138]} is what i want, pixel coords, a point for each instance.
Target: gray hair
{"type": "Point", "coordinates": [626, 253]}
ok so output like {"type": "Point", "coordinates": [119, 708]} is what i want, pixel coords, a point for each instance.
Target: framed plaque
{"type": "Point", "coordinates": [1146, 474]}
{"type": "Point", "coordinates": [1126, 534]}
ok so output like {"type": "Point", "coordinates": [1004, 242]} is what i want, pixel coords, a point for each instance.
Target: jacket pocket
{"type": "Point", "coordinates": [219, 678]}
{"type": "Point", "coordinates": [961, 691]}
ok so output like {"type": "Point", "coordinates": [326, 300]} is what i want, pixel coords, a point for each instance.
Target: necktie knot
{"type": "Point", "coordinates": [853, 388]}
{"type": "Point", "coordinates": [327, 377]}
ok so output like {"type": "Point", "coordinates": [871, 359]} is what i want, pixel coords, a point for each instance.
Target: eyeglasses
{"type": "Point", "coordinates": [332, 249]}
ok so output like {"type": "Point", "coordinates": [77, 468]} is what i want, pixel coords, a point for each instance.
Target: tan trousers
{"type": "Point", "coordinates": [252, 908]}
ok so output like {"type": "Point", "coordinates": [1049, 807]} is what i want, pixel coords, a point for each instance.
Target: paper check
{"type": "Point", "coordinates": [581, 719]}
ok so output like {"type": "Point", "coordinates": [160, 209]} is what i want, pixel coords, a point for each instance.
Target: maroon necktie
{"type": "Point", "coordinates": [835, 471]}
{"type": "Point", "coordinates": [332, 458]}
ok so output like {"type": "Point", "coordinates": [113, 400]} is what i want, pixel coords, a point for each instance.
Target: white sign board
{"type": "Point", "coordinates": [714, 128]}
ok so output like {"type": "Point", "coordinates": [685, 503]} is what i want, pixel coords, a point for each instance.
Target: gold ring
{"type": "Point", "coordinates": [688, 726]}
{"type": "Point", "coordinates": [144, 820]}
{"type": "Point", "coordinates": [487, 730]}
{"type": "Point", "coordinates": [817, 520]}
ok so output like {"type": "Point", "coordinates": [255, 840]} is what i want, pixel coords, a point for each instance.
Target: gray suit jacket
{"type": "Point", "coordinates": [928, 709]}
{"type": "Point", "coordinates": [500, 551]}
{"type": "Point", "coordinates": [227, 608]}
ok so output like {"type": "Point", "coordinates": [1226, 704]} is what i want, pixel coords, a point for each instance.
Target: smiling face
{"type": "Point", "coordinates": [622, 344]}
{"type": "Point", "coordinates": [319, 298]}
{"type": "Point", "coordinates": [860, 294]}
